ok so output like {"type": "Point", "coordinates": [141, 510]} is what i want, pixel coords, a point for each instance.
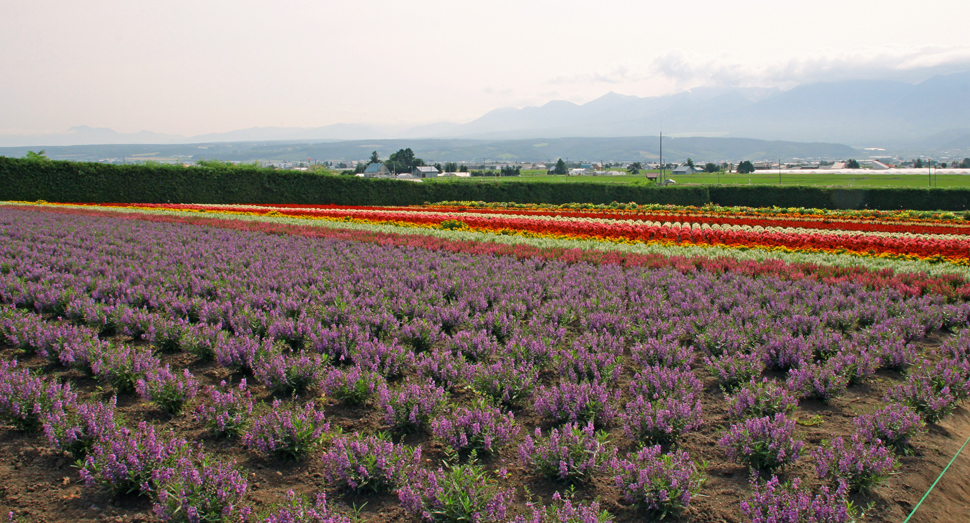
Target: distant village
{"type": "Point", "coordinates": [650, 170]}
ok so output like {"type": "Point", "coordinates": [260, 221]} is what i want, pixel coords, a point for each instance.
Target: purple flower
{"type": "Point", "coordinates": [198, 488]}
{"type": "Point", "coordinates": [126, 461]}
{"type": "Point", "coordinates": [226, 413]}
{"type": "Point", "coordinates": [817, 381]}
{"type": "Point", "coordinates": [411, 406]}
{"type": "Point", "coordinates": [287, 433]}
{"type": "Point", "coordinates": [458, 493]}
{"type": "Point", "coordinates": [353, 385]}
{"type": "Point", "coordinates": [757, 399]}
{"type": "Point", "coordinates": [25, 398]}
{"type": "Point", "coordinates": [773, 502]}
{"type": "Point", "coordinates": [482, 428]}
{"type": "Point", "coordinates": [167, 390]}
{"type": "Point", "coordinates": [894, 425]}
{"type": "Point", "coordinates": [572, 453]}
{"type": "Point", "coordinates": [659, 483]}
{"type": "Point", "coordinates": [763, 444]}
{"type": "Point", "coordinates": [77, 427]}
{"type": "Point", "coordinates": [861, 463]}
{"type": "Point", "coordinates": [296, 509]}
{"type": "Point", "coordinates": [369, 464]}
{"type": "Point", "coordinates": [577, 402]}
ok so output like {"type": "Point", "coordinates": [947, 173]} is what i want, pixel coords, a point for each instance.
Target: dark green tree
{"type": "Point", "coordinates": [851, 164]}
{"type": "Point", "coordinates": [463, 169]}
{"type": "Point", "coordinates": [690, 163]}
{"type": "Point", "coordinates": [403, 161]}
{"type": "Point", "coordinates": [919, 163]}
{"type": "Point", "coordinates": [711, 167]}
{"type": "Point", "coordinates": [374, 158]}
{"type": "Point", "coordinates": [965, 164]}
{"type": "Point", "coordinates": [40, 156]}
{"type": "Point", "coordinates": [451, 167]}
{"type": "Point", "coordinates": [560, 168]}
{"type": "Point", "coordinates": [635, 168]}
{"type": "Point", "coordinates": [361, 167]}
{"type": "Point", "coordinates": [745, 167]}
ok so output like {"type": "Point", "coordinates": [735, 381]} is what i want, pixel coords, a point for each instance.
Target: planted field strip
{"type": "Point", "coordinates": [442, 385]}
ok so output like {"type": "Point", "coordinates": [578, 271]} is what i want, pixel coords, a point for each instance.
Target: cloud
{"type": "Point", "coordinates": [686, 70]}
{"type": "Point", "coordinates": [496, 91]}
{"type": "Point", "coordinates": [888, 63]}
{"type": "Point", "coordinates": [616, 75]}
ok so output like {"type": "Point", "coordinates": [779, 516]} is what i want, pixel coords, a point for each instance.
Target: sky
{"type": "Point", "coordinates": [205, 66]}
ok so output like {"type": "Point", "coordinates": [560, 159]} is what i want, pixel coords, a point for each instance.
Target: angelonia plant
{"type": "Point", "coordinates": [577, 402]}
{"type": "Point", "coordinates": [76, 428]}
{"type": "Point", "coordinates": [507, 382]}
{"type": "Point", "coordinates": [167, 390]}
{"type": "Point", "coordinates": [763, 444]}
{"type": "Point", "coordinates": [660, 484]}
{"type": "Point", "coordinates": [920, 392]}
{"type": "Point", "coordinates": [734, 369]}
{"type": "Point", "coordinates": [894, 425]}
{"type": "Point", "coordinates": [298, 509]}
{"type": "Point", "coordinates": [368, 463]}
{"type": "Point", "coordinates": [352, 385]}
{"type": "Point", "coordinates": [775, 502]}
{"type": "Point", "coordinates": [228, 410]}
{"type": "Point", "coordinates": [122, 366]}
{"type": "Point", "coordinates": [124, 462]}
{"type": "Point", "coordinates": [572, 453]}
{"type": "Point", "coordinates": [482, 429]}
{"type": "Point", "coordinates": [411, 406]}
{"type": "Point", "coordinates": [456, 493]}
{"type": "Point", "coordinates": [757, 399]}
{"type": "Point", "coordinates": [817, 381]}
{"type": "Point", "coordinates": [197, 488]}
{"type": "Point", "coordinates": [564, 510]}
{"type": "Point", "coordinates": [859, 463]}
{"type": "Point", "coordinates": [286, 433]}
{"type": "Point", "coordinates": [25, 398]}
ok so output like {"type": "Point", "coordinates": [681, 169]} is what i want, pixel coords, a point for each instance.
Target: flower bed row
{"type": "Point", "coordinates": [911, 278]}
{"type": "Point", "coordinates": [953, 248]}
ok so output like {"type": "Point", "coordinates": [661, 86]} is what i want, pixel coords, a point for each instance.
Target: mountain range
{"type": "Point", "coordinates": [864, 113]}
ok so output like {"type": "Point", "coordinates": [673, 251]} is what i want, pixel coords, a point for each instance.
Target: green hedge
{"type": "Point", "coordinates": [885, 199]}
{"type": "Point", "coordinates": [27, 180]}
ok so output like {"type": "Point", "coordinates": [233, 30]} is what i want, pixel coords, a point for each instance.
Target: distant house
{"type": "Point", "coordinates": [425, 172]}
{"type": "Point", "coordinates": [683, 169]}
{"type": "Point", "coordinates": [377, 170]}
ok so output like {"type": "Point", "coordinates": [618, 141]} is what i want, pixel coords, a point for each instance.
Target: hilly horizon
{"type": "Point", "coordinates": [934, 113]}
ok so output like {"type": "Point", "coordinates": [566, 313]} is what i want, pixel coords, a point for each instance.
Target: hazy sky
{"type": "Point", "coordinates": [200, 66]}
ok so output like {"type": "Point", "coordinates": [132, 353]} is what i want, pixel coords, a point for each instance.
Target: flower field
{"type": "Point", "coordinates": [464, 362]}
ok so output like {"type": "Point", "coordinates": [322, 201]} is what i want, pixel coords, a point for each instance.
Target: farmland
{"type": "Point", "coordinates": [465, 360]}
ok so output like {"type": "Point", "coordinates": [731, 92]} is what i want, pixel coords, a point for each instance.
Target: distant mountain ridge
{"type": "Point", "coordinates": [856, 112]}
{"type": "Point", "coordinates": [880, 113]}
